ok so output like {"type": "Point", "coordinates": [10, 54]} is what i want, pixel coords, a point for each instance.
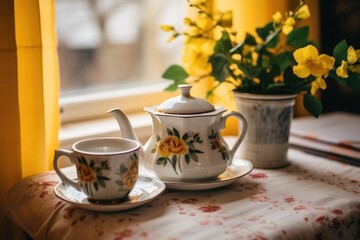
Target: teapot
{"type": "Point", "coordinates": [186, 144]}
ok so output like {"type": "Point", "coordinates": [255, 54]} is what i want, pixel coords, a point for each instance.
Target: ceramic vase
{"type": "Point", "coordinates": [269, 120]}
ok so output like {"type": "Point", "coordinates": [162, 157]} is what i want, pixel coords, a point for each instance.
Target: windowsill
{"type": "Point", "coordinates": [105, 127]}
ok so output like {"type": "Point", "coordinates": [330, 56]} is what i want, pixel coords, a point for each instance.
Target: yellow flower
{"type": "Point", "coordinates": [288, 25]}
{"type": "Point", "coordinates": [316, 84]}
{"type": "Point", "coordinates": [171, 38]}
{"type": "Point", "coordinates": [303, 12]}
{"type": "Point", "coordinates": [196, 54]}
{"type": "Point", "coordinates": [278, 79]}
{"type": "Point", "coordinates": [352, 55]}
{"type": "Point", "coordinates": [256, 80]}
{"type": "Point", "coordinates": [171, 144]}
{"type": "Point", "coordinates": [204, 23]}
{"type": "Point", "coordinates": [310, 63]}
{"type": "Point", "coordinates": [167, 28]}
{"type": "Point", "coordinates": [226, 19]}
{"type": "Point", "coordinates": [187, 21]}
{"type": "Point", "coordinates": [328, 61]}
{"type": "Point", "coordinates": [341, 71]}
{"type": "Point", "coordinates": [85, 173]}
{"type": "Point", "coordinates": [277, 17]}
{"type": "Point", "coordinates": [236, 56]}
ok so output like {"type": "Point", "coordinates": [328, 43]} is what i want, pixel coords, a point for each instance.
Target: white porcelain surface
{"type": "Point", "coordinates": [237, 170]}
{"type": "Point", "coordinates": [146, 189]}
{"type": "Point", "coordinates": [185, 103]}
{"type": "Point", "coordinates": [186, 147]}
{"type": "Point", "coordinates": [107, 168]}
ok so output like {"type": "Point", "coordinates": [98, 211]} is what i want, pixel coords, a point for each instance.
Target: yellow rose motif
{"type": "Point", "coordinates": [341, 71]}
{"type": "Point", "coordinates": [310, 63]}
{"type": "Point", "coordinates": [171, 144]}
{"type": "Point", "coordinates": [303, 12]}
{"type": "Point", "coordinates": [85, 173]}
{"type": "Point", "coordinates": [130, 176]}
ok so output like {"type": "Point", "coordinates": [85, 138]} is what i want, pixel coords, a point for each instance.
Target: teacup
{"type": "Point", "coordinates": [107, 168]}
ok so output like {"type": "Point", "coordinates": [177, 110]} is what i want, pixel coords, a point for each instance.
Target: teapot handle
{"type": "Point", "coordinates": [240, 137]}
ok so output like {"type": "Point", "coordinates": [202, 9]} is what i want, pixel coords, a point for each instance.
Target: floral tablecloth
{"type": "Point", "coordinates": [312, 198]}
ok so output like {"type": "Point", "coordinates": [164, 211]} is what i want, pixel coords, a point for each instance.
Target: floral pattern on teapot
{"type": "Point", "coordinates": [173, 147]}
{"type": "Point", "coordinates": [216, 144]}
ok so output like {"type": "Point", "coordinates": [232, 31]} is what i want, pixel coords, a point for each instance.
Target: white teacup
{"type": "Point", "coordinates": [107, 168]}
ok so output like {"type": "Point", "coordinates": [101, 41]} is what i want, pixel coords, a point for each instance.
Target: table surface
{"type": "Point", "coordinates": [312, 198]}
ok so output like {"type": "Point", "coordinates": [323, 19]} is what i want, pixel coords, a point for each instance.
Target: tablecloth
{"type": "Point", "coordinates": [312, 198]}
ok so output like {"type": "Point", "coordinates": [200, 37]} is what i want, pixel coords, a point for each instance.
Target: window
{"type": "Point", "coordinates": [112, 54]}
{"type": "Point", "coordinates": [108, 48]}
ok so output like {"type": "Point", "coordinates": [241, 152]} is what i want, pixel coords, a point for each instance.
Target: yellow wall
{"type": "Point", "coordinates": [29, 122]}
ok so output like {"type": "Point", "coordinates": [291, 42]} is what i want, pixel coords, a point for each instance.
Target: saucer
{"type": "Point", "coordinates": [145, 190]}
{"type": "Point", "coordinates": [238, 169]}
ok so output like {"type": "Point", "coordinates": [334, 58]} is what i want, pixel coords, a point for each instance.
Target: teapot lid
{"type": "Point", "coordinates": [185, 103]}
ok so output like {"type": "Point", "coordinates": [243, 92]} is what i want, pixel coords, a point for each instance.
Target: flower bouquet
{"type": "Point", "coordinates": [279, 60]}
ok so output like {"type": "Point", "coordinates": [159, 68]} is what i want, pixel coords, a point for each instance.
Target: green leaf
{"type": "Point", "coordinates": [340, 52]}
{"type": "Point", "coordinates": [272, 40]}
{"type": "Point", "coordinates": [185, 136]}
{"type": "Point", "coordinates": [177, 74]}
{"type": "Point", "coordinates": [283, 59]}
{"type": "Point", "coordinates": [238, 48]}
{"type": "Point", "coordinates": [161, 161]}
{"type": "Point", "coordinates": [354, 82]}
{"type": "Point", "coordinates": [194, 156]}
{"type": "Point", "coordinates": [265, 31]}
{"type": "Point", "coordinates": [223, 45]}
{"type": "Point", "coordinates": [298, 37]}
{"type": "Point", "coordinates": [169, 132]}
{"type": "Point", "coordinates": [250, 39]}
{"type": "Point", "coordinates": [187, 159]}
{"type": "Point", "coordinates": [176, 133]}
{"type": "Point", "coordinates": [220, 66]}
{"type": "Point", "coordinates": [312, 105]}
{"type": "Point", "coordinates": [101, 183]}
{"type": "Point", "coordinates": [96, 186]}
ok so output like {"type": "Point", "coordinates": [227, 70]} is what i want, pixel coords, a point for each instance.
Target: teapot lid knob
{"type": "Point", "coordinates": [185, 90]}
{"type": "Point", "coordinates": [185, 103]}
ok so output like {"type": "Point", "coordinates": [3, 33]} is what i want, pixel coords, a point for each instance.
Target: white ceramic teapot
{"type": "Point", "coordinates": [186, 144]}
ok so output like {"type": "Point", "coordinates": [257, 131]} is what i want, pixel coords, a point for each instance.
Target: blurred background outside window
{"type": "Point", "coordinates": [107, 44]}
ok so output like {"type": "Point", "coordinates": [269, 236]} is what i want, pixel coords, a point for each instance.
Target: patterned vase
{"type": "Point", "coordinates": [269, 119]}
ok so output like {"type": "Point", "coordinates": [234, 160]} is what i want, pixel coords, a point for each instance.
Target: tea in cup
{"type": "Point", "coordinates": [107, 168]}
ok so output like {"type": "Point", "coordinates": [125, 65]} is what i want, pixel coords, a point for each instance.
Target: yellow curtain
{"type": "Point", "coordinates": [29, 87]}
{"type": "Point", "coordinates": [247, 16]}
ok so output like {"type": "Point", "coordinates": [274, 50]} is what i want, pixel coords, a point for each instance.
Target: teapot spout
{"type": "Point", "coordinates": [126, 128]}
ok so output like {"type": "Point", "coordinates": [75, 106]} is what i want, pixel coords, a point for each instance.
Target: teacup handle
{"type": "Point", "coordinates": [63, 177]}
{"type": "Point", "coordinates": [240, 136]}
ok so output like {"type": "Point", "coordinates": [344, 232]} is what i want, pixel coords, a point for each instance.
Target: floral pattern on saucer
{"type": "Point", "coordinates": [145, 190]}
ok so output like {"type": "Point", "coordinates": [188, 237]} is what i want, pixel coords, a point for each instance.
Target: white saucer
{"type": "Point", "coordinates": [146, 189]}
{"type": "Point", "coordinates": [238, 169]}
